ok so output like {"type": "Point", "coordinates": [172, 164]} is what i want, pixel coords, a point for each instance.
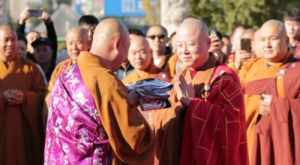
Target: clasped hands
{"type": "Point", "coordinates": [13, 96]}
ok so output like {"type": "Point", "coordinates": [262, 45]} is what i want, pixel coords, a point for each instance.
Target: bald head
{"type": "Point", "coordinates": [139, 54]}
{"type": "Point", "coordinates": [77, 40]}
{"type": "Point", "coordinates": [8, 43]}
{"type": "Point", "coordinates": [192, 42]}
{"type": "Point", "coordinates": [274, 26]}
{"type": "Point", "coordinates": [274, 42]}
{"type": "Point", "coordinates": [110, 42]}
{"type": "Point", "coordinates": [106, 30]}
{"type": "Point", "coordinates": [197, 26]}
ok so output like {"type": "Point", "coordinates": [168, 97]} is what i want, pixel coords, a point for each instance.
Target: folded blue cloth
{"type": "Point", "coordinates": [153, 93]}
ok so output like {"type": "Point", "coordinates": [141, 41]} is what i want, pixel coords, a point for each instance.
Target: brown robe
{"type": "Point", "coordinates": [275, 138]}
{"type": "Point", "coordinates": [129, 135]}
{"type": "Point", "coordinates": [20, 125]}
{"type": "Point", "coordinates": [171, 65]}
{"type": "Point", "coordinates": [165, 123]}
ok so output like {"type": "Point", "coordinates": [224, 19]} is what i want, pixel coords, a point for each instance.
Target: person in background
{"type": "Point", "coordinates": [157, 36]}
{"type": "Point", "coordinates": [22, 46]}
{"type": "Point", "coordinates": [174, 65]}
{"type": "Point", "coordinates": [43, 55]}
{"type": "Point", "coordinates": [140, 57]}
{"type": "Point", "coordinates": [77, 40]}
{"type": "Point", "coordinates": [226, 48]}
{"type": "Point", "coordinates": [216, 45]}
{"type": "Point", "coordinates": [21, 93]}
{"type": "Point", "coordinates": [245, 51]}
{"type": "Point", "coordinates": [88, 22]}
{"type": "Point", "coordinates": [126, 68]}
{"type": "Point", "coordinates": [34, 35]}
{"type": "Point", "coordinates": [271, 92]}
{"type": "Point", "coordinates": [292, 25]}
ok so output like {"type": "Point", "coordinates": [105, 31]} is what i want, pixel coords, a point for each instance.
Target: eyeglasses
{"type": "Point", "coordinates": [160, 36]}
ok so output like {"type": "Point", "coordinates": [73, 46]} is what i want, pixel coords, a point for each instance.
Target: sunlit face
{"type": "Point", "coordinates": [157, 39]}
{"type": "Point", "coordinates": [42, 54]}
{"type": "Point", "coordinates": [274, 43]}
{"type": "Point", "coordinates": [139, 54]}
{"type": "Point", "coordinates": [8, 43]}
{"type": "Point", "coordinates": [192, 47]}
{"type": "Point", "coordinates": [292, 28]}
{"type": "Point", "coordinates": [76, 43]}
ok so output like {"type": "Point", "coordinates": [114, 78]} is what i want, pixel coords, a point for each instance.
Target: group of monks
{"type": "Point", "coordinates": [218, 115]}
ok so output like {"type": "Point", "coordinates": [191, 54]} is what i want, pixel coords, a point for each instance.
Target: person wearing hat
{"type": "Point", "coordinates": [43, 54]}
{"type": "Point", "coordinates": [32, 36]}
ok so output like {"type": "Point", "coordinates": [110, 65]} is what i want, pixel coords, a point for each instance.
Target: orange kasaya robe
{"type": "Point", "coordinates": [129, 135]}
{"type": "Point", "coordinates": [171, 65]}
{"type": "Point", "coordinates": [214, 128]}
{"type": "Point", "coordinates": [275, 138]}
{"type": "Point", "coordinates": [21, 132]}
{"type": "Point", "coordinates": [137, 75]}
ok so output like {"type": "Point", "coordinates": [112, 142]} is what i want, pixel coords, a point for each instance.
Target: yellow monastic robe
{"type": "Point", "coordinates": [21, 125]}
{"type": "Point", "coordinates": [162, 121]}
{"type": "Point", "coordinates": [171, 65]}
{"type": "Point", "coordinates": [257, 70]}
{"type": "Point", "coordinates": [137, 75]}
{"type": "Point", "coordinates": [129, 135]}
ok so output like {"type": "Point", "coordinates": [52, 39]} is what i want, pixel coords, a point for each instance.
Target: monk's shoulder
{"type": "Point", "coordinates": [106, 79]}
{"type": "Point", "coordinates": [225, 76]}
{"type": "Point", "coordinates": [65, 62]}
{"type": "Point", "coordinates": [29, 66]}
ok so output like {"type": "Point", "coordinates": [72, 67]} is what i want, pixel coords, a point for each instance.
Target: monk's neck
{"type": "Point", "coordinates": [151, 69]}
{"type": "Point", "coordinates": [210, 63]}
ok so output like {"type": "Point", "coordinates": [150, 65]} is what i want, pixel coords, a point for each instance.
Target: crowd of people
{"type": "Point", "coordinates": [235, 99]}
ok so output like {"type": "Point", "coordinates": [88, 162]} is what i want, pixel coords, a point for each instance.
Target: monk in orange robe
{"type": "Point", "coordinates": [120, 125]}
{"type": "Point", "coordinates": [271, 87]}
{"type": "Point", "coordinates": [140, 58]}
{"type": "Point", "coordinates": [21, 94]}
{"type": "Point", "coordinates": [214, 127]}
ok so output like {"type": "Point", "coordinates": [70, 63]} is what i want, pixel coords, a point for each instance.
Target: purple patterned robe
{"type": "Point", "coordinates": [75, 135]}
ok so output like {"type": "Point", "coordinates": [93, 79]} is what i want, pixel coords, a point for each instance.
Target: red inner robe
{"type": "Point", "coordinates": [214, 129]}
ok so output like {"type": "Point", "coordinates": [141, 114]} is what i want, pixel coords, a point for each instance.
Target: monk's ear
{"type": "Point", "coordinates": [117, 44]}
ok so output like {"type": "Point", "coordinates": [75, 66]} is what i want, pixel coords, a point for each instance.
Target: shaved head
{"type": "Point", "coordinates": [8, 43]}
{"type": "Point", "coordinates": [274, 41]}
{"type": "Point", "coordinates": [77, 31]}
{"type": "Point", "coordinates": [77, 40]}
{"type": "Point", "coordinates": [106, 30]}
{"type": "Point", "coordinates": [274, 25]}
{"type": "Point", "coordinates": [110, 42]}
{"type": "Point", "coordinates": [195, 25]}
{"type": "Point", "coordinates": [139, 54]}
{"type": "Point", "coordinates": [192, 42]}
